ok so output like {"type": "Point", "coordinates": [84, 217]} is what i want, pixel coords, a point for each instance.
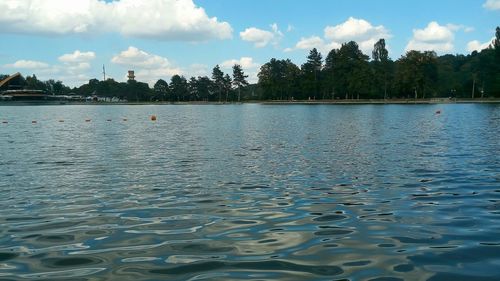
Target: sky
{"type": "Point", "coordinates": [72, 40]}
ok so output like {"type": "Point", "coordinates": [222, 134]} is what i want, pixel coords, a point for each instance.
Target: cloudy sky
{"type": "Point", "coordinates": [71, 40]}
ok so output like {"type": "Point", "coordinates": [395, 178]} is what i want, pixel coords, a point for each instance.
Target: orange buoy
{"type": "Point", "coordinates": [153, 117]}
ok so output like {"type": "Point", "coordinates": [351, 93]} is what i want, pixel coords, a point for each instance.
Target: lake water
{"type": "Point", "coordinates": [261, 192]}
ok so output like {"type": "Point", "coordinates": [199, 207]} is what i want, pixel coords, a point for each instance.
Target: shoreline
{"type": "Point", "coordinates": [272, 102]}
{"type": "Point", "coordinates": [389, 101]}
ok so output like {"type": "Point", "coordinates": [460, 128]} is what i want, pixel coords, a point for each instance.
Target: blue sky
{"type": "Point", "coordinates": [71, 40]}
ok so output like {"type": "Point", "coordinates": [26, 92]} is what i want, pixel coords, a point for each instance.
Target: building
{"type": "Point", "coordinates": [11, 88]}
{"type": "Point", "coordinates": [131, 76]}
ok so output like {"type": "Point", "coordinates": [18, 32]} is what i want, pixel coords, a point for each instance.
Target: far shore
{"type": "Point", "coordinates": [271, 102]}
{"type": "Point", "coordinates": [387, 101]}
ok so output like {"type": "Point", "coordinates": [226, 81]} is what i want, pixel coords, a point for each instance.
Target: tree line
{"type": "Point", "coordinates": [345, 73]}
{"type": "Point", "coordinates": [220, 87]}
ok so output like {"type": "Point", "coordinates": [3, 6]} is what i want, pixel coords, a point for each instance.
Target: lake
{"type": "Point", "coordinates": [261, 192]}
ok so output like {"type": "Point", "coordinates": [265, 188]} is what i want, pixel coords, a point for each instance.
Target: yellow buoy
{"type": "Point", "coordinates": [153, 117]}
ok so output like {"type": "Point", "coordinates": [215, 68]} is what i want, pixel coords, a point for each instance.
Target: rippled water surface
{"type": "Point", "coordinates": [239, 192]}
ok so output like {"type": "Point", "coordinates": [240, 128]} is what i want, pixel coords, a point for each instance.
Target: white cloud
{"type": "Point", "coordinates": [148, 67]}
{"type": "Point", "coordinates": [309, 43]}
{"type": "Point", "coordinates": [459, 27]}
{"type": "Point", "coordinates": [478, 46]}
{"type": "Point", "coordinates": [433, 33]}
{"type": "Point", "coordinates": [359, 30]}
{"type": "Point", "coordinates": [198, 69]}
{"type": "Point", "coordinates": [72, 73]}
{"type": "Point", "coordinates": [77, 57]}
{"type": "Point", "coordinates": [492, 5]}
{"type": "Point", "coordinates": [245, 62]}
{"type": "Point", "coordinates": [75, 67]}
{"type": "Point", "coordinates": [257, 36]}
{"type": "Point", "coordinates": [27, 64]}
{"type": "Point", "coordinates": [434, 37]}
{"type": "Point", "coordinates": [249, 66]}
{"type": "Point", "coordinates": [159, 19]}
{"type": "Point", "coordinates": [262, 38]}
{"type": "Point", "coordinates": [469, 29]}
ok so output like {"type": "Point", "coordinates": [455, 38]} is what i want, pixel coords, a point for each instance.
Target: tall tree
{"type": "Point", "coordinates": [227, 82]}
{"type": "Point", "coordinates": [178, 87]}
{"type": "Point", "coordinates": [204, 87]}
{"type": "Point", "coordinates": [329, 73]}
{"type": "Point", "coordinates": [352, 71]}
{"type": "Point", "coordinates": [382, 66]}
{"type": "Point", "coordinates": [311, 71]}
{"type": "Point", "coordinates": [218, 81]}
{"type": "Point", "coordinates": [496, 41]}
{"type": "Point", "coordinates": [160, 89]}
{"type": "Point", "coordinates": [33, 83]}
{"type": "Point", "coordinates": [417, 73]}
{"type": "Point", "coordinates": [380, 52]}
{"type": "Point", "coordinates": [239, 79]}
{"type": "Point", "coordinates": [277, 78]}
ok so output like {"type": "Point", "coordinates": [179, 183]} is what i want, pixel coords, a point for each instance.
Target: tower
{"type": "Point", "coordinates": [131, 76]}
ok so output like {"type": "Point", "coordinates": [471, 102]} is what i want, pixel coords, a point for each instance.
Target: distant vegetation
{"type": "Point", "coordinates": [345, 73]}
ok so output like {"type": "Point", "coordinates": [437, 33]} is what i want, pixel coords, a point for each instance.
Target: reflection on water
{"type": "Point", "coordinates": [250, 192]}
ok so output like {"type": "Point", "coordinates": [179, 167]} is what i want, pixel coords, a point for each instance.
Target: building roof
{"type": "Point", "coordinates": [7, 80]}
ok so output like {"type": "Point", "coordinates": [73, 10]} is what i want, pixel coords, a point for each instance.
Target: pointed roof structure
{"type": "Point", "coordinates": [10, 78]}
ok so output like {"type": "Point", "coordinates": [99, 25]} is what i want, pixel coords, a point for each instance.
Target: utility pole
{"type": "Point", "coordinates": [473, 85]}
{"type": "Point", "coordinates": [104, 72]}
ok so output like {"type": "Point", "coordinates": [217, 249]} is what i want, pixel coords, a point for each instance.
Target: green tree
{"type": "Point", "coordinates": [218, 81]}
{"type": "Point", "coordinates": [452, 76]}
{"type": "Point", "coordinates": [496, 41]}
{"type": "Point", "coordinates": [227, 85]}
{"type": "Point", "coordinates": [205, 88]}
{"type": "Point", "coordinates": [161, 89]}
{"type": "Point", "coordinates": [417, 73]}
{"type": "Point", "coordinates": [277, 78]}
{"type": "Point", "coordinates": [200, 88]}
{"type": "Point", "coordinates": [382, 67]}
{"type": "Point", "coordinates": [55, 87]}
{"type": "Point", "coordinates": [311, 73]}
{"type": "Point", "coordinates": [239, 79]}
{"type": "Point", "coordinates": [178, 88]}
{"type": "Point", "coordinates": [134, 90]}
{"type": "Point", "coordinates": [329, 73]}
{"type": "Point", "coordinates": [351, 70]}
{"type": "Point", "coordinates": [33, 83]}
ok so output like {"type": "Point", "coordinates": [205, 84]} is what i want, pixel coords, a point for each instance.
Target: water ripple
{"type": "Point", "coordinates": [256, 192]}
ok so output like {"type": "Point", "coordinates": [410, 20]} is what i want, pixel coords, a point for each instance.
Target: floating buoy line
{"type": "Point", "coordinates": [88, 120]}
